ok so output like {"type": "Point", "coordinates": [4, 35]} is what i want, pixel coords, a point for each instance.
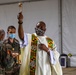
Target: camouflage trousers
{"type": "Point", "coordinates": [10, 71]}
{"type": "Point", "coordinates": [2, 71]}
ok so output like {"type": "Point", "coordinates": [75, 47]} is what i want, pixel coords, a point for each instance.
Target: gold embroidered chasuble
{"type": "Point", "coordinates": [35, 67]}
{"type": "Point", "coordinates": [34, 49]}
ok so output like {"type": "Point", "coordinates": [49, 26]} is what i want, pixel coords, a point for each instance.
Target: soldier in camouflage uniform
{"type": "Point", "coordinates": [12, 47]}
{"type": "Point", "coordinates": [2, 35]}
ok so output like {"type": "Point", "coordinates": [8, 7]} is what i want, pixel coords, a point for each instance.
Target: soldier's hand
{"type": "Point", "coordinates": [15, 54]}
{"type": "Point", "coordinates": [20, 17]}
{"type": "Point", "coordinates": [43, 47]}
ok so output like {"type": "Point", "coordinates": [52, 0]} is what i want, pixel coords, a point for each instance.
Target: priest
{"type": "Point", "coordinates": [39, 54]}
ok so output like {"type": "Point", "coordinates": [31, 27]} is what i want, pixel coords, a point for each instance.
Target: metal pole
{"type": "Point", "coordinates": [61, 29]}
{"type": "Point", "coordinates": [20, 1]}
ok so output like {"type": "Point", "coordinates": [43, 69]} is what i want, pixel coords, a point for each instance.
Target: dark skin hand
{"type": "Point", "coordinates": [20, 17]}
{"type": "Point", "coordinates": [20, 27]}
{"type": "Point", "coordinates": [43, 47]}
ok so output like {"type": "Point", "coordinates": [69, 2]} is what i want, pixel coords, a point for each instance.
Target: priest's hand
{"type": "Point", "coordinates": [20, 27]}
{"type": "Point", "coordinates": [43, 47]}
{"type": "Point", "coordinates": [20, 17]}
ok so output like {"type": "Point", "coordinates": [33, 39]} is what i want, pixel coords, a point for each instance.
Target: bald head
{"type": "Point", "coordinates": [40, 28]}
{"type": "Point", "coordinates": [2, 34]}
{"type": "Point", "coordinates": [40, 24]}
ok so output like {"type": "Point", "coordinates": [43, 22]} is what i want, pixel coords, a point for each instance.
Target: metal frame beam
{"type": "Point", "coordinates": [20, 1]}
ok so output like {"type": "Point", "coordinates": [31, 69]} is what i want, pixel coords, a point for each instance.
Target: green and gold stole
{"type": "Point", "coordinates": [34, 41]}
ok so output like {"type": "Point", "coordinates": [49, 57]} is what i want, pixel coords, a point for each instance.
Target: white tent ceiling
{"type": "Point", "coordinates": [3, 2]}
{"type": "Point", "coordinates": [7, 1]}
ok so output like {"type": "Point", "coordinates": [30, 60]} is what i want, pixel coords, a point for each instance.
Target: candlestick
{"type": "Point", "coordinates": [20, 6]}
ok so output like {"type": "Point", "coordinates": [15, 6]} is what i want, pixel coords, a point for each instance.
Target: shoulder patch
{"type": "Point", "coordinates": [5, 41]}
{"type": "Point", "coordinates": [16, 41]}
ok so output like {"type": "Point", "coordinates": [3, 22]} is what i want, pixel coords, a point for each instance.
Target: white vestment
{"type": "Point", "coordinates": [43, 61]}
